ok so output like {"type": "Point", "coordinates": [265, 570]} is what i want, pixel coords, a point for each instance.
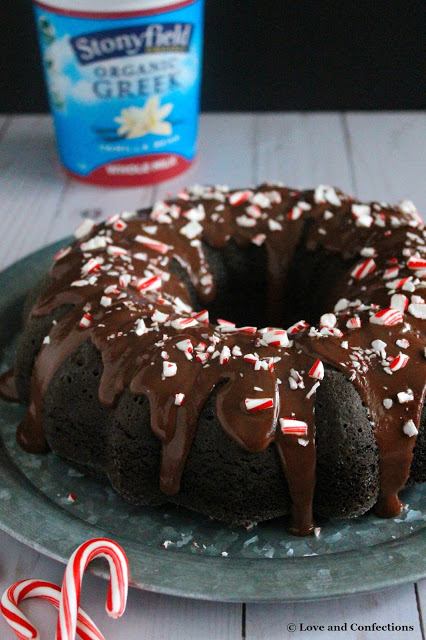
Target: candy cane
{"type": "Point", "coordinates": [12, 597]}
{"type": "Point", "coordinates": [71, 586]}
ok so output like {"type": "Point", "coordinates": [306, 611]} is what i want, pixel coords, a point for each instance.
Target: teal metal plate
{"type": "Point", "coordinates": [175, 551]}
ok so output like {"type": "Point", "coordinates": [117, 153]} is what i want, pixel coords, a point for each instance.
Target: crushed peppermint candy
{"type": "Point", "coordinates": [254, 211]}
{"type": "Point", "coordinates": [202, 316]}
{"type": "Point", "coordinates": [98, 242]}
{"type": "Point", "coordinates": [415, 262]}
{"type": "Point", "coordinates": [417, 310]}
{"type": "Point", "coordinates": [295, 213]}
{"type": "Point", "coordinates": [399, 301]}
{"type": "Point", "coordinates": [225, 323]}
{"type": "Point", "coordinates": [196, 214]}
{"type": "Point", "coordinates": [183, 323]}
{"type": "Point", "coordinates": [410, 429]}
{"type": "Point", "coordinates": [274, 225]}
{"type": "Point", "coordinates": [313, 390]}
{"type": "Point", "coordinates": [291, 426]}
{"type": "Point", "coordinates": [299, 326]}
{"type": "Point", "coordinates": [140, 327]}
{"type": "Point", "coordinates": [276, 338]}
{"type": "Point", "coordinates": [328, 320]}
{"type": "Point", "coordinates": [191, 230]}
{"type": "Point", "coordinates": [62, 253]}
{"type": "Point", "coordinates": [160, 317]}
{"type": "Point", "coordinates": [225, 355]}
{"type": "Point", "coordinates": [169, 369]}
{"type": "Point", "coordinates": [239, 197]}
{"type": "Point", "coordinates": [106, 301]}
{"type": "Point", "coordinates": [179, 398]}
{"type": "Point", "coordinates": [116, 251]}
{"type": "Point", "coordinates": [149, 283]}
{"type": "Point", "coordinates": [379, 346]}
{"type": "Point", "coordinates": [202, 356]}
{"type": "Point", "coordinates": [245, 221]}
{"type": "Point", "coordinates": [186, 346]}
{"type": "Point", "coordinates": [258, 404]}
{"type": "Point", "coordinates": [324, 193]}
{"type": "Point", "coordinates": [388, 317]}
{"type": "Point", "coordinates": [405, 396]}
{"type": "Point", "coordinates": [399, 362]}
{"type": "Point", "coordinates": [124, 280]}
{"type": "Point", "coordinates": [86, 321]}
{"type": "Point", "coordinates": [403, 343]}
{"type": "Point", "coordinates": [317, 370]}
{"type": "Point", "coordinates": [364, 269]}
{"type": "Point", "coordinates": [119, 225]}
{"type": "Point", "coordinates": [354, 322]}
{"type": "Point", "coordinates": [258, 239]}
{"type": "Point", "coordinates": [94, 264]}
{"type": "Point", "coordinates": [155, 245]}
{"type": "Point", "coordinates": [391, 272]}
{"type": "Point", "coordinates": [368, 252]}
{"type": "Point", "coordinates": [84, 228]}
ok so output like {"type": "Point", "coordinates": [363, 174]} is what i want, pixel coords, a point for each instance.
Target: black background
{"type": "Point", "coordinates": [268, 55]}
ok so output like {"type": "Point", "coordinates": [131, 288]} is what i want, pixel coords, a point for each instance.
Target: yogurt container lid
{"type": "Point", "coordinates": [106, 8]}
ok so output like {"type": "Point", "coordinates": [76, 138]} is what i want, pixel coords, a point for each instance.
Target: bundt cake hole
{"type": "Point", "coordinates": [241, 278]}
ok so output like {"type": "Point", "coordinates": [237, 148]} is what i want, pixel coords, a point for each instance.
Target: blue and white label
{"type": "Point", "coordinates": [124, 92]}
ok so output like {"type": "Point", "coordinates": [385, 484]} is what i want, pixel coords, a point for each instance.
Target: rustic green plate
{"type": "Point", "coordinates": [178, 552]}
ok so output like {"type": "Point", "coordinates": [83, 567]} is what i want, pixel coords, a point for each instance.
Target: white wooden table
{"type": "Point", "coordinates": [370, 155]}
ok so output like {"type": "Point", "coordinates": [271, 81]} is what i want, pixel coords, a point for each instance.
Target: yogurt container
{"type": "Point", "coordinates": [123, 79]}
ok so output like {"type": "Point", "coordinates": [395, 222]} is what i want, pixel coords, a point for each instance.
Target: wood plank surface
{"type": "Point", "coordinates": [31, 185]}
{"type": "Point", "coordinates": [82, 200]}
{"type": "Point", "coordinates": [302, 150]}
{"type": "Point", "coordinates": [147, 615]}
{"type": "Point", "coordinates": [225, 154]}
{"type": "Point", "coordinates": [388, 152]}
{"type": "Point", "coordinates": [394, 606]}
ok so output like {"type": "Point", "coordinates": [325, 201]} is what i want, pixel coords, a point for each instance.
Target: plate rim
{"type": "Point", "coordinates": [233, 579]}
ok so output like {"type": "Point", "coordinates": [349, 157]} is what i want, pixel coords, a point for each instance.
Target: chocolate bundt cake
{"type": "Point", "coordinates": [131, 379]}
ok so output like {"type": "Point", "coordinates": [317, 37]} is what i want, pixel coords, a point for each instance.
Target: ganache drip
{"type": "Point", "coordinates": [125, 299]}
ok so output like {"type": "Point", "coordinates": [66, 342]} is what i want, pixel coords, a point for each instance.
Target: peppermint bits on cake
{"type": "Point", "coordinates": [179, 399]}
{"type": "Point", "coordinates": [86, 321]}
{"type": "Point", "coordinates": [364, 269]}
{"type": "Point", "coordinates": [238, 198]}
{"type": "Point", "coordinates": [410, 429]}
{"type": "Point", "coordinates": [253, 405]}
{"type": "Point", "coordinates": [388, 317]}
{"type": "Point", "coordinates": [317, 370]}
{"type": "Point", "coordinates": [276, 338]}
{"type": "Point", "coordinates": [328, 321]}
{"type": "Point", "coordinates": [399, 362]}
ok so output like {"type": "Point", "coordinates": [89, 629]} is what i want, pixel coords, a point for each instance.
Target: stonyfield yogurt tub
{"type": "Point", "coordinates": [123, 79]}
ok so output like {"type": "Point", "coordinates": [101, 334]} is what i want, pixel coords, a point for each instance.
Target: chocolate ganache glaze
{"type": "Point", "coordinates": [125, 298]}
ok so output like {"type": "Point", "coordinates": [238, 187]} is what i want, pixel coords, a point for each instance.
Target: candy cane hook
{"type": "Point", "coordinates": [23, 628]}
{"type": "Point", "coordinates": [71, 586]}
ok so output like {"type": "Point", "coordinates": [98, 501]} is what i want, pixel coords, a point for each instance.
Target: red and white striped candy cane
{"type": "Point", "coordinates": [71, 586]}
{"type": "Point", "coordinates": [23, 628]}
